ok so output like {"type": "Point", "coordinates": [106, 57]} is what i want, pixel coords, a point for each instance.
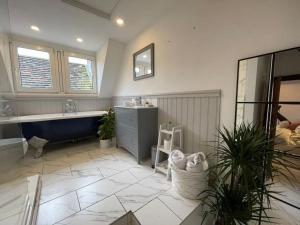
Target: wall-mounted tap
{"type": "Point", "coordinates": [138, 101]}
{"type": "Point", "coordinates": [6, 108]}
{"type": "Point", "coordinates": [70, 106]}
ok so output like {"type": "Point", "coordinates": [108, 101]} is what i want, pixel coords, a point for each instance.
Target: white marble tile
{"type": "Point", "coordinates": [136, 196]}
{"type": "Point", "coordinates": [58, 209]}
{"type": "Point", "coordinates": [57, 161]}
{"type": "Point", "coordinates": [108, 172]}
{"type": "Point", "coordinates": [59, 155]}
{"type": "Point", "coordinates": [69, 184]}
{"type": "Point", "coordinates": [12, 220]}
{"type": "Point", "coordinates": [86, 172]}
{"type": "Point", "coordinates": [156, 181]}
{"type": "Point", "coordinates": [113, 164]}
{"type": "Point", "coordinates": [284, 214]}
{"type": "Point", "coordinates": [98, 153]}
{"type": "Point", "coordinates": [55, 177]}
{"type": "Point", "coordinates": [181, 206]}
{"type": "Point", "coordinates": [55, 169]}
{"type": "Point", "coordinates": [141, 172]}
{"type": "Point", "coordinates": [103, 188]}
{"type": "Point", "coordinates": [155, 212]}
{"type": "Point", "coordinates": [101, 213]}
{"type": "Point", "coordinates": [86, 165]}
{"type": "Point", "coordinates": [81, 157]}
{"type": "Point", "coordinates": [52, 166]}
{"type": "Point", "coordinates": [29, 168]}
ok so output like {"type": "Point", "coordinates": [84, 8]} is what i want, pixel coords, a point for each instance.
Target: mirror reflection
{"type": "Point", "coordinates": [253, 79]}
{"type": "Point", "coordinates": [143, 63]}
{"type": "Point", "coordinates": [271, 98]}
{"type": "Point", "coordinates": [251, 113]}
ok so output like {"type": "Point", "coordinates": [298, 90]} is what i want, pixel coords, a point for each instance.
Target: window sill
{"type": "Point", "coordinates": [49, 96]}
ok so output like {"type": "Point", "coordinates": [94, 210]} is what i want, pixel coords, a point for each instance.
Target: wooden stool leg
{"type": "Point", "coordinates": [169, 172]}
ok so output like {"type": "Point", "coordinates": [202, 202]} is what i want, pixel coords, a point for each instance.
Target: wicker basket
{"type": "Point", "coordinates": [189, 184]}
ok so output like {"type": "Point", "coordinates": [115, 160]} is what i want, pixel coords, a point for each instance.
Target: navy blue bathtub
{"type": "Point", "coordinates": [62, 130]}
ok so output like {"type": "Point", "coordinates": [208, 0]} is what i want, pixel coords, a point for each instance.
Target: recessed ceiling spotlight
{"type": "Point", "coordinates": [144, 56]}
{"type": "Point", "coordinates": [120, 21]}
{"type": "Point", "coordinates": [35, 28]}
{"type": "Point", "coordinates": [79, 40]}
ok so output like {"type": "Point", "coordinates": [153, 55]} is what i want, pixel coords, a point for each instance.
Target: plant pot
{"type": "Point", "coordinates": [107, 143]}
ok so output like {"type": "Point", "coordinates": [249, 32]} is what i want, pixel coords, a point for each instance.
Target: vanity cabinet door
{"type": "Point", "coordinates": [127, 117]}
{"type": "Point", "coordinates": [127, 138]}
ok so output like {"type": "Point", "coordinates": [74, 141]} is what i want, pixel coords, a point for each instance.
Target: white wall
{"type": "Point", "coordinates": [109, 60]}
{"type": "Point", "coordinates": [6, 81]}
{"type": "Point", "coordinates": [198, 43]}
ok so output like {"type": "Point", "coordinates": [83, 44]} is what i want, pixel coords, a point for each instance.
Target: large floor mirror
{"type": "Point", "coordinates": [268, 94]}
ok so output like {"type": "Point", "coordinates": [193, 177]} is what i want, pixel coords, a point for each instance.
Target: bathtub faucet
{"type": "Point", "coordinates": [70, 106]}
{"type": "Point", "coordinates": [6, 108]}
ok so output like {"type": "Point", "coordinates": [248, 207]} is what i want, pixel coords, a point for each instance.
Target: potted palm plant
{"type": "Point", "coordinates": [243, 176]}
{"type": "Point", "coordinates": [106, 130]}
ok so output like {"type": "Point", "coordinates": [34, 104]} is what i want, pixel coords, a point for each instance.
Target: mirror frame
{"type": "Point", "coordinates": [151, 47]}
{"type": "Point", "coordinates": [271, 76]}
{"type": "Point", "coordinates": [269, 103]}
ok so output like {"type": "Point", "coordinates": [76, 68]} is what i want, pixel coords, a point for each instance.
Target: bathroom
{"type": "Point", "coordinates": [96, 95]}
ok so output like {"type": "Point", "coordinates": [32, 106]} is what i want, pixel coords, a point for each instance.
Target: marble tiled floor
{"type": "Point", "coordinates": [83, 184]}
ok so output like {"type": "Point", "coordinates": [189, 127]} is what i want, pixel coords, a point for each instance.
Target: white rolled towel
{"type": "Point", "coordinates": [178, 159]}
{"type": "Point", "coordinates": [197, 162]}
{"type": "Point", "coordinates": [297, 130]}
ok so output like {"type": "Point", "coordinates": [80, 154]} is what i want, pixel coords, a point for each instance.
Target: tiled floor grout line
{"type": "Point", "coordinates": [120, 202]}
{"type": "Point", "coordinates": [85, 186]}
{"type": "Point", "coordinates": [169, 208]}
{"type": "Point", "coordinates": [82, 209]}
{"type": "Point", "coordinates": [78, 201]}
{"type": "Point", "coordinates": [140, 179]}
{"type": "Point", "coordinates": [87, 208]}
{"type": "Point", "coordinates": [115, 157]}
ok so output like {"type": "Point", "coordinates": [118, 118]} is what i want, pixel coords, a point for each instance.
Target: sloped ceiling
{"type": "Point", "coordinates": [62, 23]}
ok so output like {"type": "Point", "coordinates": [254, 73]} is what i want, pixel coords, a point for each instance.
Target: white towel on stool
{"type": "Point", "coordinates": [178, 159]}
{"type": "Point", "coordinates": [197, 162]}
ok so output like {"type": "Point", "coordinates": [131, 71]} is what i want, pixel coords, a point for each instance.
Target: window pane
{"type": "Point", "coordinates": [81, 75]}
{"type": "Point", "coordinates": [35, 68]}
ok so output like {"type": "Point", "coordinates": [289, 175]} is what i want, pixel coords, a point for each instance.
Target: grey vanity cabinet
{"type": "Point", "coordinates": [137, 129]}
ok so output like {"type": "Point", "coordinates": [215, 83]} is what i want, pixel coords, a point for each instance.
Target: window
{"type": "Point", "coordinates": [40, 69]}
{"type": "Point", "coordinates": [34, 70]}
{"type": "Point", "coordinates": [80, 72]}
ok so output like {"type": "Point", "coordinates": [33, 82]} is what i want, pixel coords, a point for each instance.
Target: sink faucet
{"type": "Point", "coordinates": [138, 101]}
{"type": "Point", "coordinates": [6, 108]}
{"type": "Point", "coordinates": [70, 106]}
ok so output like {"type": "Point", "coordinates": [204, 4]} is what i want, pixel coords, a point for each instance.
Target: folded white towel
{"type": "Point", "coordinates": [178, 159]}
{"type": "Point", "coordinates": [197, 162]}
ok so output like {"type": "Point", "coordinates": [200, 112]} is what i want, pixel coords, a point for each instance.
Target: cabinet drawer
{"type": "Point", "coordinates": [127, 138]}
{"type": "Point", "coordinates": [127, 117]}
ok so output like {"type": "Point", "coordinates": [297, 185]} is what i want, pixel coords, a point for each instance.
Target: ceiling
{"type": "Point", "coordinates": [62, 23]}
{"type": "Point", "coordinates": [104, 5]}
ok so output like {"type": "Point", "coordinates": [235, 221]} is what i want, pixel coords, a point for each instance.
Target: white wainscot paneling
{"type": "Point", "coordinates": [197, 112]}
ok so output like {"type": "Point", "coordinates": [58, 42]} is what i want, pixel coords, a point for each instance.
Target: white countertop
{"type": "Point", "coordinates": [135, 107]}
{"type": "Point", "coordinates": [49, 117]}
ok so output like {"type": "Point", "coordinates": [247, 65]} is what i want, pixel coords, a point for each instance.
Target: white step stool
{"type": "Point", "coordinates": [163, 131]}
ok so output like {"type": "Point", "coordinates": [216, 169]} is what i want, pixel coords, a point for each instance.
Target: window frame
{"type": "Point", "coordinates": [66, 77]}
{"type": "Point", "coordinates": [16, 68]}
